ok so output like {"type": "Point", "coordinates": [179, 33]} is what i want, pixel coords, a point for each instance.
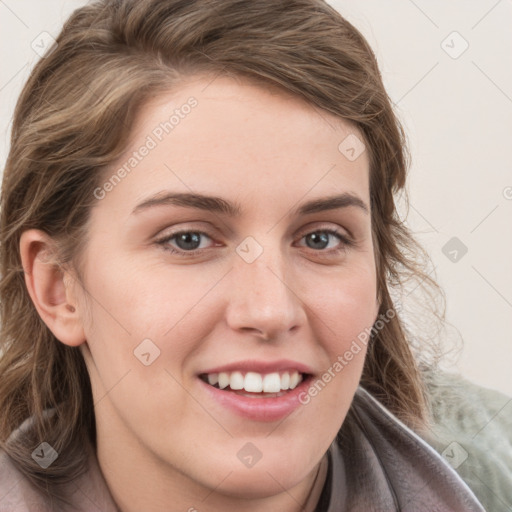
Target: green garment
{"type": "Point", "coordinates": [472, 430]}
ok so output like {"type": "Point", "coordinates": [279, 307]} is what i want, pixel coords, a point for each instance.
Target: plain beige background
{"type": "Point", "coordinates": [447, 67]}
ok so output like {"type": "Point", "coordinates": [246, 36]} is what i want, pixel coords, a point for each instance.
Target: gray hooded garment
{"type": "Point", "coordinates": [376, 464]}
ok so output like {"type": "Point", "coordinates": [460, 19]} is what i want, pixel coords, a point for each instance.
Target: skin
{"type": "Point", "coordinates": [162, 441]}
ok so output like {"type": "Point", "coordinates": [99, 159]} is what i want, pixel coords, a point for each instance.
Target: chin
{"type": "Point", "coordinates": [278, 468]}
{"type": "Point", "coordinates": [260, 483]}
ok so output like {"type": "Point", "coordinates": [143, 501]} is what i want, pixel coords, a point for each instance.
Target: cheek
{"type": "Point", "coordinates": [346, 307]}
{"type": "Point", "coordinates": [134, 302]}
{"type": "Point", "coordinates": [342, 315]}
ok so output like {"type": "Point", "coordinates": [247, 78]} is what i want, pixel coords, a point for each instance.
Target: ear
{"type": "Point", "coordinates": [50, 288]}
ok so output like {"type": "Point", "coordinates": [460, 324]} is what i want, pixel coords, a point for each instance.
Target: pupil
{"type": "Point", "coordinates": [188, 238]}
{"type": "Point", "coordinates": [323, 239]}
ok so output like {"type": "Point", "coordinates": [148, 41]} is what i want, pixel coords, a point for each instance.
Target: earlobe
{"type": "Point", "coordinates": [50, 292]}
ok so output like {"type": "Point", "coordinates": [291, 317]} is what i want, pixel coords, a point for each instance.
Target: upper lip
{"type": "Point", "coordinates": [263, 367]}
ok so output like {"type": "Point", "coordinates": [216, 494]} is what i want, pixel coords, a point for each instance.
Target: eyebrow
{"type": "Point", "coordinates": [218, 205]}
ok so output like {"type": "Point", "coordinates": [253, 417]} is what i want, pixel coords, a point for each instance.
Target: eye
{"type": "Point", "coordinates": [187, 242]}
{"type": "Point", "coordinates": [327, 240]}
{"type": "Point", "coordinates": [191, 242]}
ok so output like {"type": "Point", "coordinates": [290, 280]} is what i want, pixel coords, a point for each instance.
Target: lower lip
{"type": "Point", "coordinates": [259, 409]}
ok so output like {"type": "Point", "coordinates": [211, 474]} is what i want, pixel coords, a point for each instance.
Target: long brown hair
{"type": "Point", "coordinates": [71, 122]}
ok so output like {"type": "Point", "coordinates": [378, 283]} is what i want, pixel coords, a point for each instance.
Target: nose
{"type": "Point", "coordinates": [262, 299]}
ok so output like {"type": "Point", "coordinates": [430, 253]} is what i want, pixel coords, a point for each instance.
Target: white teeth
{"type": "Point", "coordinates": [223, 380]}
{"type": "Point", "coordinates": [254, 382]}
{"type": "Point", "coordinates": [285, 381]}
{"type": "Point", "coordinates": [272, 383]}
{"type": "Point", "coordinates": [295, 378]}
{"type": "Point", "coordinates": [236, 381]}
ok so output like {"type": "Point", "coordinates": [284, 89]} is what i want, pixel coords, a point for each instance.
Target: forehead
{"type": "Point", "coordinates": [227, 135]}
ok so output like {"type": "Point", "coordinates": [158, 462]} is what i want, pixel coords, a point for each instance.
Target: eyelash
{"type": "Point", "coordinates": [345, 242]}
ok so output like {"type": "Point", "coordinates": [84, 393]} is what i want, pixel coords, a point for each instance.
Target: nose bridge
{"type": "Point", "coordinates": [260, 296]}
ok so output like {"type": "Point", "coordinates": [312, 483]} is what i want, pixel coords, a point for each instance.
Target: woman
{"type": "Point", "coordinates": [199, 250]}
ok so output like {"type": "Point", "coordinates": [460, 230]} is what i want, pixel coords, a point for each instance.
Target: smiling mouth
{"type": "Point", "coordinates": [253, 384]}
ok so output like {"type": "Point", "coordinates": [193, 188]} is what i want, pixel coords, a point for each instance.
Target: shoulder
{"type": "Point", "coordinates": [472, 429]}
{"type": "Point", "coordinates": [388, 464]}
{"type": "Point", "coordinates": [16, 494]}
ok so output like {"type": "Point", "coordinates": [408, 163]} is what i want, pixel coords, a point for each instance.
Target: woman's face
{"type": "Point", "coordinates": [256, 287]}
